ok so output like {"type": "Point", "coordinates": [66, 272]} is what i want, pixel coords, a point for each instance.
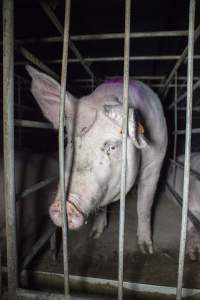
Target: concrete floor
{"type": "Point", "coordinates": [99, 258]}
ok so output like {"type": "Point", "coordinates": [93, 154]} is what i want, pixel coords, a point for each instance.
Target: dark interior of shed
{"type": "Point", "coordinates": [35, 32]}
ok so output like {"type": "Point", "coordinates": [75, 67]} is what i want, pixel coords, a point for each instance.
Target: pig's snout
{"type": "Point", "coordinates": [75, 217]}
{"type": "Point", "coordinates": [55, 213]}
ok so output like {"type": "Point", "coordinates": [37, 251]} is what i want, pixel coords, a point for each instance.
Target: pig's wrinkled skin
{"type": "Point", "coordinates": [96, 170]}
{"type": "Point", "coordinates": [193, 236]}
{"type": "Point", "coordinates": [30, 168]}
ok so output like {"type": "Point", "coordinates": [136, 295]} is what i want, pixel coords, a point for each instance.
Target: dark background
{"type": "Point", "coordinates": [91, 17]}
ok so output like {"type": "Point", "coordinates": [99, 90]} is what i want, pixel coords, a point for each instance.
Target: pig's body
{"type": "Point", "coordinates": [193, 238]}
{"type": "Point", "coordinates": [33, 209]}
{"type": "Point", "coordinates": [96, 169]}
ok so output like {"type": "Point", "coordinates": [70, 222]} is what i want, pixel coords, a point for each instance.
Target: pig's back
{"type": "Point", "coordinates": [145, 101]}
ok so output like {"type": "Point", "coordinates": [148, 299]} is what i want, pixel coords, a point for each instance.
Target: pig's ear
{"type": "Point", "coordinates": [46, 91]}
{"type": "Point", "coordinates": [135, 129]}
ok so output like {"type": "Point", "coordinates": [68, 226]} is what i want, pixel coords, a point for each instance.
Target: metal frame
{"type": "Point", "coordinates": [8, 89]}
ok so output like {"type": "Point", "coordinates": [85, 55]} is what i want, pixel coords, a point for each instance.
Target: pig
{"type": "Point", "coordinates": [193, 234]}
{"type": "Point", "coordinates": [97, 123]}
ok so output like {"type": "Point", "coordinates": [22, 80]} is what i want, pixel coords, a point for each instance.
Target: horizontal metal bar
{"type": "Point", "coordinates": [22, 107]}
{"type": "Point", "coordinates": [33, 124]}
{"type": "Point", "coordinates": [194, 131]}
{"type": "Point", "coordinates": [182, 97]}
{"type": "Point", "coordinates": [181, 166]}
{"type": "Point", "coordinates": [197, 108]}
{"type": "Point", "coordinates": [35, 187]}
{"type": "Point", "coordinates": [98, 284]}
{"type": "Point", "coordinates": [88, 86]}
{"type": "Point", "coordinates": [38, 245]}
{"type": "Point", "coordinates": [105, 36]}
{"type": "Point", "coordinates": [113, 59]}
{"type": "Point", "coordinates": [139, 77]}
{"type": "Point", "coordinates": [105, 285]}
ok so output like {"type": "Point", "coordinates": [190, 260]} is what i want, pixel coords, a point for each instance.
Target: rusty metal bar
{"type": "Point", "coordinates": [124, 147]}
{"type": "Point", "coordinates": [178, 63]}
{"type": "Point", "coordinates": [64, 180]}
{"type": "Point", "coordinates": [191, 40]}
{"type": "Point", "coordinates": [8, 136]}
{"type": "Point", "coordinates": [60, 28]}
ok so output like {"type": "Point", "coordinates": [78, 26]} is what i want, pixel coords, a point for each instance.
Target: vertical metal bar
{"type": "Point", "coordinates": [175, 127]}
{"type": "Point", "coordinates": [1, 283]}
{"type": "Point", "coordinates": [8, 122]}
{"type": "Point", "coordinates": [20, 115]}
{"type": "Point", "coordinates": [124, 146]}
{"type": "Point", "coordinates": [61, 147]}
{"type": "Point", "coordinates": [187, 148]}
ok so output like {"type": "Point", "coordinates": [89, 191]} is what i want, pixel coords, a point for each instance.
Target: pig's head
{"type": "Point", "coordinates": [96, 168]}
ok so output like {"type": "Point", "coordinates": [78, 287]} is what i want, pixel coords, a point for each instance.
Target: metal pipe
{"type": "Point", "coordinates": [98, 285]}
{"type": "Point", "coordinates": [60, 28]}
{"type": "Point", "coordinates": [178, 63]}
{"type": "Point", "coordinates": [114, 59]}
{"type": "Point", "coordinates": [35, 187]}
{"type": "Point", "coordinates": [124, 147]}
{"type": "Point", "coordinates": [181, 166]}
{"type": "Point", "coordinates": [182, 97]}
{"type": "Point", "coordinates": [196, 108]}
{"type": "Point", "coordinates": [193, 131]}
{"type": "Point", "coordinates": [38, 245]}
{"type": "Point", "coordinates": [187, 149]}
{"type": "Point", "coordinates": [106, 285]}
{"type": "Point", "coordinates": [105, 36]}
{"type": "Point", "coordinates": [36, 61]}
{"type": "Point", "coordinates": [20, 114]}
{"type": "Point", "coordinates": [145, 77]}
{"type": "Point", "coordinates": [175, 126]}
{"type": "Point", "coordinates": [64, 180]}
{"type": "Point", "coordinates": [33, 124]}
{"type": "Point", "coordinates": [1, 281]}
{"type": "Point", "coordinates": [8, 135]}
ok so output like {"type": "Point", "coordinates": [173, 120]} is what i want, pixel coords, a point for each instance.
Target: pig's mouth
{"type": "Point", "coordinates": [75, 216]}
